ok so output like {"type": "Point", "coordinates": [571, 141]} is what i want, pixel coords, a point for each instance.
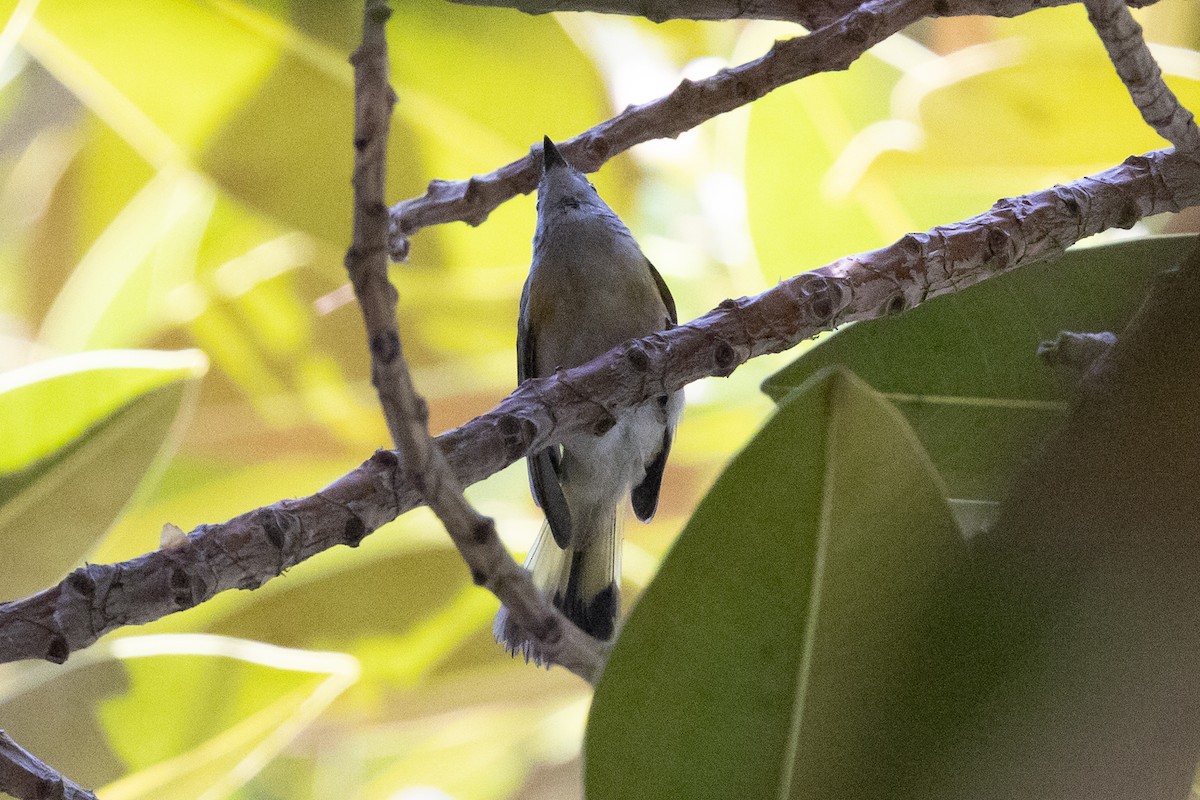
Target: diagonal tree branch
{"type": "Point", "coordinates": [260, 544]}
{"type": "Point", "coordinates": [809, 13]}
{"type": "Point", "coordinates": [1126, 46]}
{"type": "Point", "coordinates": [848, 28]}
{"type": "Point", "coordinates": [26, 777]}
{"type": "Point", "coordinates": [833, 47]}
{"type": "Point", "coordinates": [421, 462]}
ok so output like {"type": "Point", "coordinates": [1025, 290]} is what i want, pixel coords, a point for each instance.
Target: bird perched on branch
{"type": "Point", "coordinates": [590, 288]}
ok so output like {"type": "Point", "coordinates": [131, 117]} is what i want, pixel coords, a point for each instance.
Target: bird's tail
{"type": "Point", "coordinates": [582, 582]}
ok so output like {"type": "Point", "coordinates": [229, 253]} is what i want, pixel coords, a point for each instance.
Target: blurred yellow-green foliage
{"type": "Point", "coordinates": [174, 176]}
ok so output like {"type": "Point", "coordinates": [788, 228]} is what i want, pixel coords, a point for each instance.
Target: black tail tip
{"type": "Point", "coordinates": [596, 617]}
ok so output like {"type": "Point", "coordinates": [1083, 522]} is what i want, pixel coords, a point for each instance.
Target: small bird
{"type": "Point", "coordinates": [589, 289]}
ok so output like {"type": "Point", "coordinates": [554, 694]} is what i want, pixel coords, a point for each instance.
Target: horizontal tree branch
{"type": "Point", "coordinates": [809, 13]}
{"type": "Point", "coordinates": [26, 777]}
{"type": "Point", "coordinates": [260, 544]}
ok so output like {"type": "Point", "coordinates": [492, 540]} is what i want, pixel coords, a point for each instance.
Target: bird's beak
{"type": "Point", "coordinates": [550, 156]}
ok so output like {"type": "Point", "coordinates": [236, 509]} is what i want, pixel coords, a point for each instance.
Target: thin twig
{"type": "Point", "coordinates": [423, 464]}
{"type": "Point", "coordinates": [26, 777]}
{"type": "Point", "coordinates": [1160, 108]}
{"type": "Point", "coordinates": [260, 544]}
{"type": "Point", "coordinates": [833, 47]}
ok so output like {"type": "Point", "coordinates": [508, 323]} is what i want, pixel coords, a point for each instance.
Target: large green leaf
{"type": "Point", "coordinates": [797, 642]}
{"type": "Point", "coordinates": [963, 368]}
{"type": "Point", "coordinates": [81, 435]}
{"type": "Point", "coordinates": [179, 716]}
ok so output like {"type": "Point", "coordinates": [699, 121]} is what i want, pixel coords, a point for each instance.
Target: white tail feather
{"type": "Point", "coordinates": [582, 583]}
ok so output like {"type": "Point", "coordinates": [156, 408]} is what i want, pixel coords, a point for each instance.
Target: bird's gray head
{"type": "Point", "coordinates": [564, 194]}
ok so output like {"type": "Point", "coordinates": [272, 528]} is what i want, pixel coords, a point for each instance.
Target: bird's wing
{"type": "Point", "coordinates": [645, 494]}
{"type": "Point", "coordinates": [543, 465]}
{"type": "Point", "coordinates": [667, 299]}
